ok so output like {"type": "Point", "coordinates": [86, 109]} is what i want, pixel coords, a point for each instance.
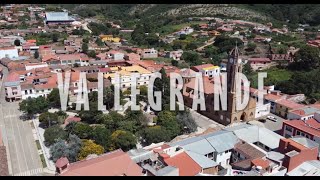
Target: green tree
{"type": "Point", "coordinates": [168, 120]}
{"type": "Point", "coordinates": [54, 98]}
{"type": "Point", "coordinates": [59, 150]}
{"type": "Point", "coordinates": [69, 149]}
{"type": "Point", "coordinates": [191, 46]}
{"type": "Point", "coordinates": [251, 46]}
{"type": "Point", "coordinates": [53, 134]}
{"type": "Point", "coordinates": [143, 90]}
{"type": "Point", "coordinates": [55, 37]}
{"type": "Point", "coordinates": [247, 70]}
{"type": "Point", "coordinates": [33, 106]}
{"type": "Point", "coordinates": [92, 54]}
{"type": "Point", "coordinates": [174, 63]}
{"type": "Point", "coordinates": [192, 58]}
{"type": "Point", "coordinates": [85, 47]}
{"type": "Point", "coordinates": [186, 121]}
{"type": "Point", "coordinates": [123, 139]}
{"type": "Point", "coordinates": [48, 119]}
{"type": "Point", "coordinates": [36, 54]}
{"type": "Point", "coordinates": [101, 136]}
{"type": "Point", "coordinates": [89, 147]}
{"type": "Point", "coordinates": [183, 36]}
{"type": "Point", "coordinates": [210, 51]}
{"type": "Point", "coordinates": [155, 134]}
{"type": "Point", "coordinates": [99, 42]}
{"type": "Point", "coordinates": [74, 146]}
{"type": "Point", "coordinates": [82, 130]}
{"type": "Point", "coordinates": [17, 42]}
{"type": "Point", "coordinates": [307, 58]}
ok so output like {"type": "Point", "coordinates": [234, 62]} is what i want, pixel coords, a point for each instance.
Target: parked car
{"type": "Point", "coordinates": [262, 120]}
{"type": "Point", "coordinates": [272, 118]}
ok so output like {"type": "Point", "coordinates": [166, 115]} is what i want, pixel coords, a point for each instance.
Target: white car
{"type": "Point", "coordinates": [272, 118]}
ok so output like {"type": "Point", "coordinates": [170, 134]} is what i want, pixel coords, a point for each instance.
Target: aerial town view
{"type": "Point", "coordinates": [159, 90]}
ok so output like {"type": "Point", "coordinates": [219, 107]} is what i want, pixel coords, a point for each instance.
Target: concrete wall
{"type": "Point", "coordinates": [262, 110]}
{"type": "Point", "coordinates": [11, 53]}
{"type": "Point", "coordinates": [222, 158]}
{"type": "Point", "coordinates": [35, 93]}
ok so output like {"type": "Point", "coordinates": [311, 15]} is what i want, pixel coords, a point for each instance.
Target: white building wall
{"type": "Point", "coordinates": [118, 56]}
{"type": "Point", "coordinates": [35, 93]}
{"type": "Point", "coordinates": [125, 81]}
{"type": "Point", "coordinates": [36, 66]}
{"type": "Point", "coordinates": [222, 158]}
{"type": "Point", "coordinates": [11, 53]}
{"type": "Point", "coordinates": [262, 110]}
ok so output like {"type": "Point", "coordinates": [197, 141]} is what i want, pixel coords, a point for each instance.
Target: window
{"type": "Point", "coordinates": [298, 132]}
{"type": "Point", "coordinates": [288, 128]}
{"type": "Point", "coordinates": [307, 136]}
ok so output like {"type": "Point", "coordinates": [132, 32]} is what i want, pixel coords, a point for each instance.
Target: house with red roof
{"type": "Point", "coordinates": [71, 119]}
{"type": "Point", "coordinates": [12, 87]}
{"type": "Point", "coordinates": [259, 63]}
{"type": "Point", "coordinates": [115, 163]}
{"type": "Point", "coordinates": [284, 106]}
{"type": "Point", "coordinates": [309, 128]}
{"type": "Point", "coordinates": [187, 166]}
{"type": "Point", "coordinates": [297, 150]}
{"type": "Point", "coordinates": [303, 113]}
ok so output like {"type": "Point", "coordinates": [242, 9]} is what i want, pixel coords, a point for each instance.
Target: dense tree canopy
{"type": "Point", "coordinates": [33, 106]}
{"type": "Point", "coordinates": [155, 134]}
{"type": "Point", "coordinates": [53, 134]}
{"type": "Point", "coordinates": [123, 139]}
{"type": "Point", "coordinates": [89, 147]}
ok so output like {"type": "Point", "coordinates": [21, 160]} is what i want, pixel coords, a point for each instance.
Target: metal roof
{"type": "Point", "coordinates": [203, 161]}
{"type": "Point", "coordinates": [213, 142]}
{"type": "Point", "coordinates": [9, 84]}
{"type": "Point", "coordinates": [166, 171]}
{"type": "Point", "coordinates": [58, 16]}
{"type": "Point", "coordinates": [308, 168]}
{"type": "Point", "coordinates": [253, 133]}
{"type": "Point", "coordinates": [305, 141]}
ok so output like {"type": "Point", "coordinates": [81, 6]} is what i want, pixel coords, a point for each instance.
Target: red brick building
{"type": "Point", "coordinates": [307, 128]}
{"type": "Point", "coordinates": [297, 150]}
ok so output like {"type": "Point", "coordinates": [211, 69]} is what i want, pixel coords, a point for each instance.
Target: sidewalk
{"type": "Point", "coordinates": [38, 134]}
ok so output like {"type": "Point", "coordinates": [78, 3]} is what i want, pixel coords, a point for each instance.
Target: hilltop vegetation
{"type": "Point", "coordinates": [295, 13]}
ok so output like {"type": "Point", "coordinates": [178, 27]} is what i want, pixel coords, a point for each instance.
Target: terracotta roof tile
{"type": "Point", "coordinates": [310, 126]}
{"type": "Point", "coordinates": [187, 166]}
{"type": "Point", "coordinates": [115, 163]}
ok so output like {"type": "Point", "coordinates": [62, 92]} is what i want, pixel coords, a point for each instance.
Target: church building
{"type": "Point", "coordinates": [231, 115]}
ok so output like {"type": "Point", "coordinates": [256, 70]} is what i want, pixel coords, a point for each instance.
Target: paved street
{"type": "Point", "coordinates": [18, 138]}
{"type": "Point", "coordinates": [273, 126]}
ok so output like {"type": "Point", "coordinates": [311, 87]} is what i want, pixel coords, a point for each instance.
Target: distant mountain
{"type": "Point", "coordinates": [296, 13]}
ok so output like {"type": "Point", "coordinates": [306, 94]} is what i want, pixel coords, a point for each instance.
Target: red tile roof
{"type": "Point", "coordinates": [264, 163]}
{"type": "Point", "coordinates": [13, 77]}
{"type": "Point", "coordinates": [115, 163]}
{"type": "Point", "coordinates": [62, 162]}
{"type": "Point", "coordinates": [310, 126]}
{"type": "Point", "coordinates": [187, 166]}
{"type": "Point", "coordinates": [208, 85]}
{"type": "Point", "coordinates": [290, 104]}
{"type": "Point", "coordinates": [200, 67]}
{"type": "Point", "coordinates": [49, 57]}
{"type": "Point", "coordinates": [272, 97]}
